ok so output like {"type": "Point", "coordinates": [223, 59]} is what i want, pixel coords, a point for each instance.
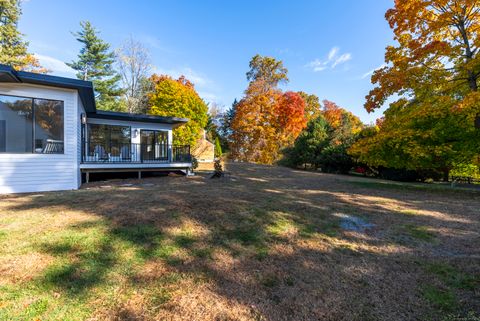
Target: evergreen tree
{"type": "Point", "coordinates": [218, 148]}
{"type": "Point", "coordinates": [13, 50]}
{"type": "Point", "coordinates": [95, 63]}
{"type": "Point", "coordinates": [225, 129]}
{"type": "Point", "coordinates": [309, 145]}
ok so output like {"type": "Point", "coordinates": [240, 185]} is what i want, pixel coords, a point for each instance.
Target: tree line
{"type": "Point", "coordinates": [429, 131]}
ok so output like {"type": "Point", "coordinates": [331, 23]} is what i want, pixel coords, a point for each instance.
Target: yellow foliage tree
{"type": "Point", "coordinates": [178, 98]}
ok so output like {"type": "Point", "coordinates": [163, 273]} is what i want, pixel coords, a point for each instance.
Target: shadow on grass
{"type": "Point", "coordinates": [292, 259]}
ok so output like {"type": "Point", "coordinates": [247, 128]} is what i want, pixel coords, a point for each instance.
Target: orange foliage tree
{"type": "Point", "coordinates": [437, 52]}
{"type": "Point", "coordinates": [337, 116]}
{"type": "Point", "coordinates": [266, 119]}
{"type": "Point", "coordinates": [433, 73]}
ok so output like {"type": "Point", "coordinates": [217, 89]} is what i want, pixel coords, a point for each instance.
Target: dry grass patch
{"type": "Point", "coordinates": [262, 243]}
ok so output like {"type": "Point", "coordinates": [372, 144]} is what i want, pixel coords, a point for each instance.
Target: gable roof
{"type": "Point", "coordinates": [85, 91]}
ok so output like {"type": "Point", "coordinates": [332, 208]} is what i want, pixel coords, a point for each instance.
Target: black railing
{"type": "Point", "coordinates": [113, 152]}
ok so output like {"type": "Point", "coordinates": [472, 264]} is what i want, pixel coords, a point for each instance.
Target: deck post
{"type": "Point", "coordinates": [139, 174]}
{"type": "Point", "coordinates": [87, 176]}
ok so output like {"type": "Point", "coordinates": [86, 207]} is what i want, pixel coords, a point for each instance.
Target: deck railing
{"type": "Point", "coordinates": [111, 152]}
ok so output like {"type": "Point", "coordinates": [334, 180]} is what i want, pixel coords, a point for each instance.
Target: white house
{"type": "Point", "coordinates": [51, 135]}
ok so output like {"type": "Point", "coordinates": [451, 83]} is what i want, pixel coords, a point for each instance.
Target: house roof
{"type": "Point", "coordinates": [85, 91]}
{"type": "Point", "coordinates": [84, 88]}
{"type": "Point", "coordinates": [103, 114]}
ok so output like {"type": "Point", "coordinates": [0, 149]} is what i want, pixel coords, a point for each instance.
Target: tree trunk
{"type": "Point", "coordinates": [446, 174]}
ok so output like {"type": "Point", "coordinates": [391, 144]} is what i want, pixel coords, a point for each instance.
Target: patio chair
{"type": "Point", "coordinates": [125, 153]}
{"type": "Point", "coordinates": [53, 147]}
{"type": "Point", "coordinates": [100, 153]}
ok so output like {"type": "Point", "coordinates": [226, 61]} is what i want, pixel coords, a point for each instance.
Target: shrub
{"type": "Point", "coordinates": [407, 175]}
{"type": "Point", "coordinates": [218, 148]}
{"type": "Point", "coordinates": [334, 159]}
{"type": "Point", "coordinates": [194, 163]}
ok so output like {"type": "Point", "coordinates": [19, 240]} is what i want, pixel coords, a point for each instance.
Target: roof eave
{"type": "Point", "coordinates": [84, 88]}
{"type": "Point", "coordinates": [101, 114]}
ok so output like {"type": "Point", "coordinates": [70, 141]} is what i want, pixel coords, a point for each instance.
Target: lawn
{"type": "Point", "coordinates": [262, 243]}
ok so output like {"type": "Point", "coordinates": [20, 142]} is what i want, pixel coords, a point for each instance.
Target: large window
{"type": "Point", "coordinates": [31, 125]}
{"type": "Point", "coordinates": [154, 144]}
{"type": "Point", "coordinates": [105, 140]}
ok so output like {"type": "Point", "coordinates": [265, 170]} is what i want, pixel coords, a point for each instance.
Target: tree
{"type": "Point", "coordinates": [309, 145]}
{"type": "Point", "coordinates": [225, 129]}
{"type": "Point", "coordinates": [178, 98]}
{"type": "Point", "coordinates": [253, 136]}
{"type": "Point", "coordinates": [133, 61]}
{"type": "Point", "coordinates": [14, 50]}
{"type": "Point", "coordinates": [290, 117]}
{"type": "Point", "coordinates": [312, 105]}
{"type": "Point", "coordinates": [326, 140]}
{"type": "Point", "coordinates": [434, 72]}
{"type": "Point", "coordinates": [96, 63]}
{"type": "Point", "coordinates": [266, 120]}
{"type": "Point", "coordinates": [218, 148]}
{"type": "Point", "coordinates": [420, 138]}
{"type": "Point", "coordinates": [437, 52]}
{"type": "Point", "coordinates": [338, 116]}
{"type": "Point", "coordinates": [267, 69]}
{"type": "Point", "coordinates": [214, 119]}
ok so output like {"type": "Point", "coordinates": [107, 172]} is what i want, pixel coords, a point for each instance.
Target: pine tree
{"type": "Point", "coordinates": [13, 50]}
{"type": "Point", "coordinates": [225, 129]}
{"type": "Point", "coordinates": [218, 148]}
{"type": "Point", "coordinates": [95, 63]}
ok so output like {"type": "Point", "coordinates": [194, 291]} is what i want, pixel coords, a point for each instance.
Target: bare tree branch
{"type": "Point", "coordinates": [133, 60]}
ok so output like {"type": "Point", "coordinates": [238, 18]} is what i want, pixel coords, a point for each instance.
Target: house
{"type": "Point", "coordinates": [52, 135]}
{"type": "Point", "coordinates": [204, 150]}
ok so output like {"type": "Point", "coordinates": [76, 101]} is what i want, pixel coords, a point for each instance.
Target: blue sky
{"type": "Point", "coordinates": [329, 47]}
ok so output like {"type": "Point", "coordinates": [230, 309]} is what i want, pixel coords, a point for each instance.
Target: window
{"type": "Point", "coordinates": [48, 130]}
{"type": "Point", "coordinates": [108, 139]}
{"type": "Point", "coordinates": [17, 127]}
{"type": "Point", "coordinates": [154, 144]}
{"type": "Point", "coordinates": [31, 125]}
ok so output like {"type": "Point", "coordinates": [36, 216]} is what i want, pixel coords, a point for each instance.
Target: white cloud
{"type": "Point", "coordinates": [197, 79]}
{"type": "Point", "coordinates": [333, 60]}
{"type": "Point", "coordinates": [55, 65]}
{"type": "Point", "coordinates": [370, 72]}
{"type": "Point", "coordinates": [333, 53]}
{"type": "Point", "coordinates": [205, 87]}
{"type": "Point", "coordinates": [208, 96]}
{"type": "Point", "coordinates": [340, 60]}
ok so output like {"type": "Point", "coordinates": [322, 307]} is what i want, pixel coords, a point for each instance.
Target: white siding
{"type": "Point", "coordinates": [80, 111]}
{"type": "Point", "coordinates": [44, 172]}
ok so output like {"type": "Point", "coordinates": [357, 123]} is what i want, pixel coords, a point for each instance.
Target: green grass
{"type": "Point", "coordinates": [282, 226]}
{"type": "Point", "coordinates": [448, 280]}
{"type": "Point", "coordinates": [409, 212]}
{"type": "Point", "coordinates": [443, 299]}
{"type": "Point", "coordinates": [418, 232]}
{"type": "Point", "coordinates": [88, 260]}
{"type": "Point", "coordinates": [452, 277]}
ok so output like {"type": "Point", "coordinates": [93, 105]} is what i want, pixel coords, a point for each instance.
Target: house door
{"type": "Point", "coordinates": [154, 145]}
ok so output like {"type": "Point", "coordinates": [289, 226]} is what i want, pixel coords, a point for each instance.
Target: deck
{"type": "Point", "coordinates": [134, 158]}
